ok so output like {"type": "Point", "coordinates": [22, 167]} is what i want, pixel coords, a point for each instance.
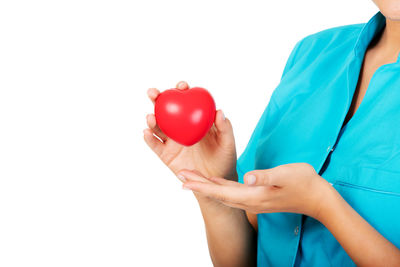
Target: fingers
{"type": "Point", "coordinates": [268, 177]}
{"type": "Point", "coordinates": [253, 178]}
{"type": "Point", "coordinates": [191, 175]}
{"type": "Point", "coordinates": [182, 85]}
{"type": "Point", "coordinates": [194, 175]}
{"type": "Point", "coordinates": [152, 141]}
{"type": "Point", "coordinates": [229, 193]}
{"type": "Point", "coordinates": [221, 122]}
{"type": "Point", "coordinates": [232, 194]}
{"type": "Point", "coordinates": [151, 122]}
{"type": "Point", "coordinates": [223, 181]}
{"type": "Point", "coordinates": [152, 94]}
{"type": "Point", "coordinates": [151, 119]}
{"type": "Point", "coordinates": [224, 128]}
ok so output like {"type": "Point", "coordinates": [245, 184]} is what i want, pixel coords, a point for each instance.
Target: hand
{"type": "Point", "coordinates": [214, 155]}
{"type": "Point", "coordinates": [294, 187]}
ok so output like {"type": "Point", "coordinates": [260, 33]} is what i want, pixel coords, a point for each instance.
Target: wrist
{"type": "Point", "coordinates": [210, 206]}
{"type": "Point", "coordinates": [205, 201]}
{"type": "Point", "coordinates": [327, 202]}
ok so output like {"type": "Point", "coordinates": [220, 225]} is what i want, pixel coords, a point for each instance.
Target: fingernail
{"type": "Point", "coordinates": [251, 179]}
{"type": "Point", "coordinates": [223, 115]}
{"type": "Point", "coordinates": [181, 85]}
{"type": "Point", "coordinates": [181, 177]}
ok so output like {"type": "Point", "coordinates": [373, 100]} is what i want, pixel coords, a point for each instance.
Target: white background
{"type": "Point", "coordinates": [78, 185]}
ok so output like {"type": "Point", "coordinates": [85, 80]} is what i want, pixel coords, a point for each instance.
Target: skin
{"type": "Point", "coordinates": [229, 208]}
{"type": "Point", "coordinates": [382, 50]}
{"type": "Point", "coordinates": [214, 155]}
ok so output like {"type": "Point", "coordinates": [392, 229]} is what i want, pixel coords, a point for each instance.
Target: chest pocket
{"type": "Point", "coordinates": [375, 195]}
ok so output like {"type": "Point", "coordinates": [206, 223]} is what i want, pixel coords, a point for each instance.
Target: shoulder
{"type": "Point", "coordinates": [329, 44]}
{"type": "Point", "coordinates": [320, 54]}
{"type": "Point", "coordinates": [336, 39]}
{"type": "Point", "coordinates": [348, 31]}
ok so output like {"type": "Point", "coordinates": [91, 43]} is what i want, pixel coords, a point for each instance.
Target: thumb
{"type": "Point", "coordinates": [262, 177]}
{"type": "Point", "coordinates": [224, 127]}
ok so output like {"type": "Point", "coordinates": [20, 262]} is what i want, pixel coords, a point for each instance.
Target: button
{"type": "Point", "coordinates": [296, 230]}
{"type": "Point", "coordinates": [329, 149]}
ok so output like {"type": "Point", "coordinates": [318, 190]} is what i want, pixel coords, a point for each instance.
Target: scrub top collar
{"type": "Point", "coordinates": [368, 32]}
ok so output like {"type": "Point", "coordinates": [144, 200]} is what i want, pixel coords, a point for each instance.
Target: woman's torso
{"type": "Point", "coordinates": [306, 122]}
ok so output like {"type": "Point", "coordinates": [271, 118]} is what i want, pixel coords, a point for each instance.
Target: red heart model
{"type": "Point", "coordinates": [185, 116]}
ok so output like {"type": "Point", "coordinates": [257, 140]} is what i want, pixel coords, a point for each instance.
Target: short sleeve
{"type": "Point", "coordinates": [292, 57]}
{"type": "Point", "coordinates": [269, 118]}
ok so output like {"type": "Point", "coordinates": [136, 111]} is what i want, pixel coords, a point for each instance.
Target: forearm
{"type": "Point", "coordinates": [231, 239]}
{"type": "Point", "coordinates": [359, 239]}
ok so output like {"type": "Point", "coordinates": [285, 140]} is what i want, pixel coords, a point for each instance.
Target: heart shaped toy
{"type": "Point", "coordinates": [185, 116]}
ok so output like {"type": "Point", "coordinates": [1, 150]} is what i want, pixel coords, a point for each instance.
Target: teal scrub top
{"type": "Point", "coordinates": [303, 123]}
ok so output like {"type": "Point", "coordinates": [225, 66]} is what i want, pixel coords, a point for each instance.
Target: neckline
{"type": "Point", "coordinates": [372, 29]}
{"type": "Point", "coordinates": [369, 31]}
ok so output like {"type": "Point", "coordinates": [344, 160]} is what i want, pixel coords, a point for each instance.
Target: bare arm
{"type": "Point", "coordinates": [232, 241]}
{"type": "Point", "coordinates": [276, 190]}
{"type": "Point", "coordinates": [359, 239]}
